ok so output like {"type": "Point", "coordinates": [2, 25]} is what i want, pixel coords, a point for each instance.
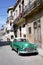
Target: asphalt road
{"type": "Point", "coordinates": [9, 57]}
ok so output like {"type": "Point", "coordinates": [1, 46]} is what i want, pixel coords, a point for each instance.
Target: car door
{"type": "Point", "coordinates": [15, 44]}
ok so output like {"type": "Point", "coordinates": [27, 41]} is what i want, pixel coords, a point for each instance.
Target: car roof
{"type": "Point", "coordinates": [20, 38]}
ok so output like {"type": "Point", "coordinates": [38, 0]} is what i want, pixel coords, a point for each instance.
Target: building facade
{"type": "Point", "coordinates": [28, 20]}
{"type": "Point", "coordinates": [9, 25]}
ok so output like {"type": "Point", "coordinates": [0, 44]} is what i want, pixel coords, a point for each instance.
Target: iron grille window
{"type": "Point", "coordinates": [35, 25]}
{"type": "Point", "coordinates": [29, 30]}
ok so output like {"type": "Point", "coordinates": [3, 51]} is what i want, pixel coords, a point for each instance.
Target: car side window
{"type": "Point", "coordinates": [15, 40]}
{"type": "Point", "coordinates": [18, 40]}
{"type": "Point", "coordinates": [24, 40]}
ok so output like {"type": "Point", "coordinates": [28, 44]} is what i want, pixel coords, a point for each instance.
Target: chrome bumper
{"type": "Point", "coordinates": [24, 52]}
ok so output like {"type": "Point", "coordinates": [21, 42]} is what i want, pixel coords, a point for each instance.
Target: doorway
{"type": "Point", "coordinates": [37, 33]}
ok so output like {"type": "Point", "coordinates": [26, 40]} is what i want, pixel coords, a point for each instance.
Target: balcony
{"type": "Point", "coordinates": [19, 20]}
{"type": "Point", "coordinates": [29, 10]}
{"type": "Point", "coordinates": [16, 20]}
{"type": "Point", "coordinates": [10, 18]}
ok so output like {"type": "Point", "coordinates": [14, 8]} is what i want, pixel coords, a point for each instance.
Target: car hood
{"type": "Point", "coordinates": [25, 45]}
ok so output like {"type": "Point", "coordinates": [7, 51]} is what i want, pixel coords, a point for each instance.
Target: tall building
{"type": "Point", "coordinates": [3, 33]}
{"type": "Point", "coordinates": [19, 30]}
{"type": "Point", "coordinates": [9, 24]}
{"type": "Point", "coordinates": [28, 20]}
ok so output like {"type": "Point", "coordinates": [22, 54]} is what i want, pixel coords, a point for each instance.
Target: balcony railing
{"type": "Point", "coordinates": [10, 18]}
{"type": "Point", "coordinates": [29, 8]}
{"type": "Point", "coordinates": [16, 20]}
{"type": "Point", "coordinates": [39, 1]}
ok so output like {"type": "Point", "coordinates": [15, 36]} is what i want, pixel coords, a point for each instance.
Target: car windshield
{"type": "Point", "coordinates": [20, 40]}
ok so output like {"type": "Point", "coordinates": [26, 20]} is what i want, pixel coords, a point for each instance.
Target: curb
{"type": "Point", "coordinates": [40, 51]}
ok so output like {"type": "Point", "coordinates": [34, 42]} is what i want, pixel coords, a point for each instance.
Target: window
{"type": "Point", "coordinates": [20, 28]}
{"type": "Point", "coordinates": [11, 13]}
{"type": "Point", "coordinates": [10, 23]}
{"type": "Point", "coordinates": [16, 12]}
{"type": "Point", "coordinates": [7, 31]}
{"type": "Point", "coordinates": [24, 35]}
{"type": "Point", "coordinates": [35, 25]}
{"type": "Point", "coordinates": [24, 25]}
{"type": "Point", "coordinates": [12, 36]}
{"type": "Point", "coordinates": [23, 2]}
{"type": "Point", "coordinates": [29, 30]}
{"type": "Point", "coordinates": [19, 8]}
{"type": "Point", "coordinates": [11, 30]}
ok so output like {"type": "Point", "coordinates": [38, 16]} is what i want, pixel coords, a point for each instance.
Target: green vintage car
{"type": "Point", "coordinates": [21, 45]}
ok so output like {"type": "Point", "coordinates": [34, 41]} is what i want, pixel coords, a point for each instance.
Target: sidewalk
{"type": "Point", "coordinates": [40, 50]}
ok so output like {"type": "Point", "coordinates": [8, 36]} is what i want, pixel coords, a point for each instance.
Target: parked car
{"type": "Point", "coordinates": [22, 46]}
{"type": "Point", "coordinates": [1, 39]}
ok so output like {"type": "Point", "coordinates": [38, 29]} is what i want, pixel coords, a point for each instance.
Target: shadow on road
{"type": "Point", "coordinates": [29, 54]}
{"type": "Point", "coordinates": [4, 43]}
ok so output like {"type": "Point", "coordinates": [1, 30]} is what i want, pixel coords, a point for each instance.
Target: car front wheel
{"type": "Point", "coordinates": [12, 48]}
{"type": "Point", "coordinates": [18, 52]}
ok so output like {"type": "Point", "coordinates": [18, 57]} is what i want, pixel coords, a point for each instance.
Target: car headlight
{"type": "Point", "coordinates": [35, 46]}
{"type": "Point", "coordinates": [21, 46]}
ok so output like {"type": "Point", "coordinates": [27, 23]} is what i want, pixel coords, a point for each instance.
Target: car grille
{"type": "Point", "coordinates": [28, 49]}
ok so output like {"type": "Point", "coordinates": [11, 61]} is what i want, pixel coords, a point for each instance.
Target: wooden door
{"type": "Point", "coordinates": [37, 33]}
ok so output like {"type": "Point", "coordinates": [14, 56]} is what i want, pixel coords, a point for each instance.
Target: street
{"type": "Point", "coordinates": [9, 57]}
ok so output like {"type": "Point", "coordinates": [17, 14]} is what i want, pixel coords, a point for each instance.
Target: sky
{"type": "Point", "coordinates": [4, 4]}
